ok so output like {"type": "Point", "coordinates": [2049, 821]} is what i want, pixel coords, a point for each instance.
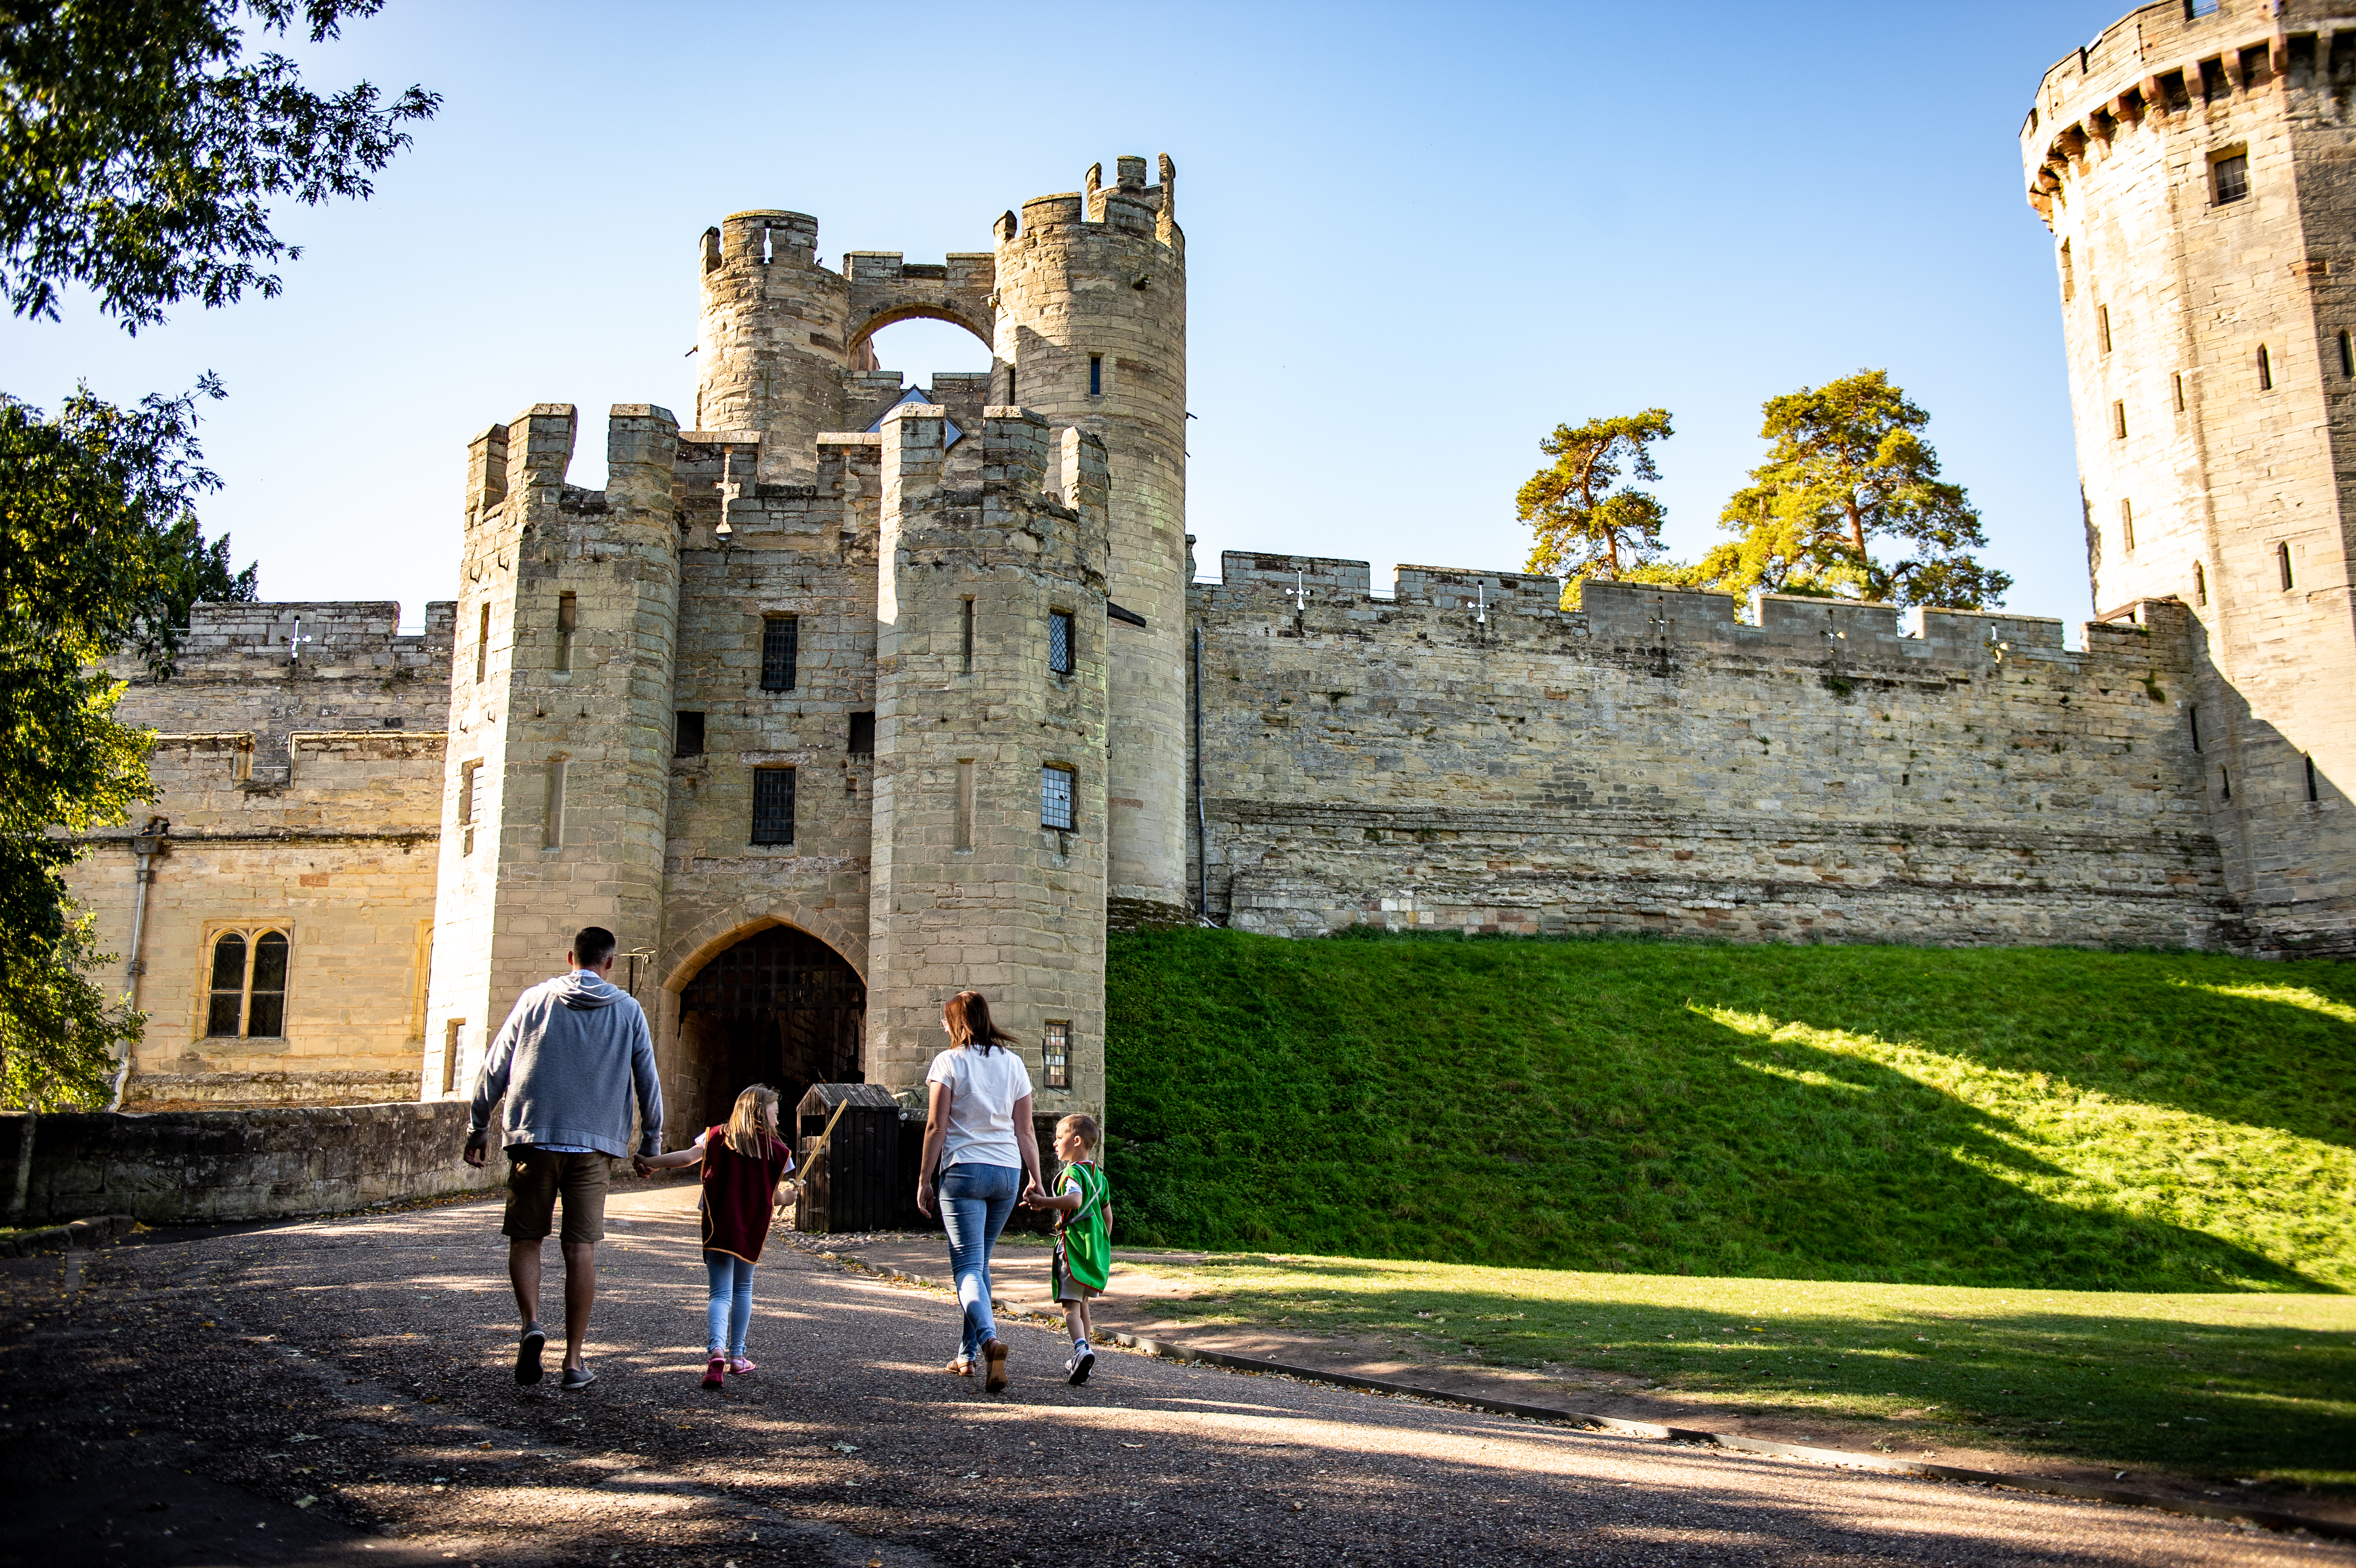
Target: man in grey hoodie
{"type": "Point", "coordinates": [568, 1063]}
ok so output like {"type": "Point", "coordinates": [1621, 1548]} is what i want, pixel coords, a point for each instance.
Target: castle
{"type": "Point", "coordinates": [850, 694]}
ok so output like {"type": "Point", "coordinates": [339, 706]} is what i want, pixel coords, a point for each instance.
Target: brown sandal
{"type": "Point", "coordinates": [993, 1355]}
{"type": "Point", "coordinates": [960, 1368]}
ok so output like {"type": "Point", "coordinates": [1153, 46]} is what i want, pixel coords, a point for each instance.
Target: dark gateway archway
{"type": "Point", "coordinates": [780, 1007]}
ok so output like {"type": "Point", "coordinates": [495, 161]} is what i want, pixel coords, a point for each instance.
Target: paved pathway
{"type": "Point", "coordinates": [338, 1392]}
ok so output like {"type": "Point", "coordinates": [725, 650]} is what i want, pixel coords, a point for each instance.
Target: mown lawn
{"type": "Point", "coordinates": [2254, 1387]}
{"type": "Point", "coordinates": [2051, 1118]}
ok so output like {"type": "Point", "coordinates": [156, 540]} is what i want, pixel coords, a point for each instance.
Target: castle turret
{"type": "Point", "coordinates": [990, 829]}
{"type": "Point", "coordinates": [770, 354]}
{"type": "Point", "coordinates": [1091, 332]}
{"type": "Point", "coordinates": [2188, 167]}
{"type": "Point", "coordinates": [556, 790]}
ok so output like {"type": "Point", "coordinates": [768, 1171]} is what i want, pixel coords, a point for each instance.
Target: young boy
{"type": "Point", "coordinates": [1083, 1261]}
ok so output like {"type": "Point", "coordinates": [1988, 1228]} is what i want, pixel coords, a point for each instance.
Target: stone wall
{"type": "Point", "coordinates": [195, 1166]}
{"type": "Point", "coordinates": [1465, 755]}
{"type": "Point", "coordinates": [297, 767]}
{"type": "Point", "coordinates": [2214, 402]}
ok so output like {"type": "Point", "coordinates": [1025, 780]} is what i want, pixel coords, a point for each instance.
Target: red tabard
{"type": "Point", "coordinates": [737, 1192]}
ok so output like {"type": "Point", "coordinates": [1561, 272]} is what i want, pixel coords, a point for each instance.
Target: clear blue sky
{"type": "Point", "coordinates": [1418, 238]}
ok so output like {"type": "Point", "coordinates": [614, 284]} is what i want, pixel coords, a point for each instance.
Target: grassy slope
{"type": "Point", "coordinates": [2256, 1385]}
{"type": "Point", "coordinates": [2031, 1117]}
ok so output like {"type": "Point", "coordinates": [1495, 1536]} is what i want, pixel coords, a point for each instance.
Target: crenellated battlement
{"type": "Point", "coordinates": [2158, 68]}
{"type": "Point", "coordinates": [1525, 609]}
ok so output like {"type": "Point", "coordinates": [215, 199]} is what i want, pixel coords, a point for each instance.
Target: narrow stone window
{"type": "Point", "coordinates": [568, 617]}
{"type": "Point", "coordinates": [863, 735]}
{"type": "Point", "coordinates": [2192, 722]}
{"type": "Point", "coordinates": [249, 986]}
{"type": "Point", "coordinates": [2311, 795]}
{"type": "Point", "coordinates": [965, 633]}
{"type": "Point", "coordinates": [227, 1011]}
{"type": "Point", "coordinates": [687, 735]}
{"type": "Point", "coordinates": [2266, 371]}
{"type": "Point", "coordinates": [2126, 525]}
{"type": "Point", "coordinates": [2225, 782]}
{"type": "Point", "coordinates": [1055, 1050]}
{"type": "Point", "coordinates": [965, 803]}
{"type": "Point", "coordinates": [2177, 380]}
{"type": "Point", "coordinates": [773, 805]}
{"type": "Point", "coordinates": [2282, 563]}
{"type": "Point", "coordinates": [2103, 326]}
{"type": "Point", "coordinates": [780, 651]}
{"type": "Point", "coordinates": [483, 646]}
{"type": "Point", "coordinates": [2232, 177]}
{"type": "Point", "coordinates": [1096, 375]}
{"type": "Point", "coordinates": [470, 805]}
{"type": "Point", "coordinates": [551, 832]}
{"type": "Point", "coordinates": [1011, 398]}
{"type": "Point", "coordinates": [2200, 584]}
{"type": "Point", "coordinates": [1059, 642]}
{"type": "Point", "coordinates": [452, 1033]}
{"type": "Point", "coordinates": [2069, 275]}
{"type": "Point", "coordinates": [2347, 355]}
{"type": "Point", "coordinates": [2119, 421]}
{"type": "Point", "coordinates": [1056, 796]}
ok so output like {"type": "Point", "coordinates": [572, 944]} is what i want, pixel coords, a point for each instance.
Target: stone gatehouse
{"type": "Point", "coordinates": [851, 694]}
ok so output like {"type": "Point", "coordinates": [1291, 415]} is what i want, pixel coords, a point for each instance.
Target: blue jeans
{"type": "Point", "coordinates": [975, 1201]}
{"type": "Point", "coordinates": [731, 1306]}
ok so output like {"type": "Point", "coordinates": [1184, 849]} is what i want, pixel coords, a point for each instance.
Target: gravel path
{"type": "Point", "coordinates": [338, 1391]}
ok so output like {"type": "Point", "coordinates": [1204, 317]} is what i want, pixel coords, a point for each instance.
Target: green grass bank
{"type": "Point", "coordinates": [2021, 1118]}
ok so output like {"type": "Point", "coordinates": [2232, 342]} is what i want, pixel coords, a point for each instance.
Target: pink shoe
{"type": "Point", "coordinates": [741, 1367]}
{"type": "Point", "coordinates": [712, 1372]}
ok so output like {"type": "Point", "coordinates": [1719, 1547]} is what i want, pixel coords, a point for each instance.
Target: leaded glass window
{"type": "Point", "coordinates": [780, 650]}
{"type": "Point", "coordinates": [1056, 797]}
{"type": "Point", "coordinates": [1059, 642]}
{"type": "Point", "coordinates": [773, 805]}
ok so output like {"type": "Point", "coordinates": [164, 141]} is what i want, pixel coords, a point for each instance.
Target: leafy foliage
{"type": "Point", "coordinates": [1585, 528]}
{"type": "Point", "coordinates": [1848, 469]}
{"type": "Point", "coordinates": [138, 149]}
{"type": "Point", "coordinates": [2037, 1116]}
{"type": "Point", "coordinates": [102, 556]}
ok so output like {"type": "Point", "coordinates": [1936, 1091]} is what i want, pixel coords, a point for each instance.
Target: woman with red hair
{"type": "Point", "coordinates": [981, 1154]}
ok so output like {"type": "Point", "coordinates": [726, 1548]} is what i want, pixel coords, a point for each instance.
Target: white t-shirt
{"type": "Point", "coordinates": [982, 1094]}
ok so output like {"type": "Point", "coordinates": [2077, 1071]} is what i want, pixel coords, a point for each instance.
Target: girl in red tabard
{"type": "Point", "coordinates": [743, 1162]}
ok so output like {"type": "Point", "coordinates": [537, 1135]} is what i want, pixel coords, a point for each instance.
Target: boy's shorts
{"type": "Point", "coordinates": [535, 1181]}
{"type": "Point", "coordinates": [1066, 1287]}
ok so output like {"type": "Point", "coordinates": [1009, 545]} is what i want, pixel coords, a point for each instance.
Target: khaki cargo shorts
{"type": "Point", "coordinates": [535, 1181]}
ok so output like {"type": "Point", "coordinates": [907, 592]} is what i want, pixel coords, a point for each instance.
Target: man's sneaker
{"type": "Point", "coordinates": [528, 1354]}
{"type": "Point", "coordinates": [577, 1377]}
{"type": "Point", "coordinates": [1083, 1362]}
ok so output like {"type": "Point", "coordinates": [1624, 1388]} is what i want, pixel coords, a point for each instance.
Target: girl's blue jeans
{"type": "Point", "coordinates": [975, 1202]}
{"type": "Point", "coordinates": [731, 1306]}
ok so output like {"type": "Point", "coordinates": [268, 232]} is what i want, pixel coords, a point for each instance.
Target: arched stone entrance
{"type": "Point", "coordinates": [780, 1007]}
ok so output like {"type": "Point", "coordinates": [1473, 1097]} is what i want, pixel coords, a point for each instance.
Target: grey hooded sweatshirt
{"type": "Point", "coordinates": [567, 1061]}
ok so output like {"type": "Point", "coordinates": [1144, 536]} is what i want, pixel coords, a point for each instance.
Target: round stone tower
{"type": "Point", "coordinates": [770, 353]}
{"type": "Point", "coordinates": [2193, 172]}
{"type": "Point", "coordinates": [1091, 331]}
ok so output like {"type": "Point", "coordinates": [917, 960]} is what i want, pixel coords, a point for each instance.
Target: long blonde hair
{"type": "Point", "coordinates": [753, 1124]}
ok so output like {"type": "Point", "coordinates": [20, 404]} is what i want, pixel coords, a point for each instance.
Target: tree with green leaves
{"type": "Point", "coordinates": [140, 148]}
{"type": "Point", "coordinates": [1848, 469]}
{"type": "Point", "coordinates": [1585, 528]}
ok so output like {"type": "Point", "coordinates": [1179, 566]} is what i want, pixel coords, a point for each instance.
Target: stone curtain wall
{"type": "Point", "coordinates": [1652, 766]}
{"type": "Point", "coordinates": [192, 1167]}
{"type": "Point", "coordinates": [301, 783]}
{"type": "Point", "coordinates": [2206, 471]}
